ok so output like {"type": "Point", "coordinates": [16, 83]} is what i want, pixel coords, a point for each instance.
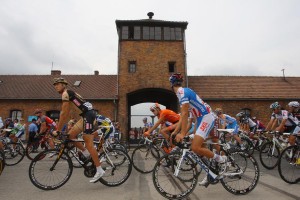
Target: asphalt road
{"type": "Point", "coordinates": [15, 185]}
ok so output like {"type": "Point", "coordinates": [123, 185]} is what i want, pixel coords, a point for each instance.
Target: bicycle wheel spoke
{"type": "Point", "coordinates": [144, 158]}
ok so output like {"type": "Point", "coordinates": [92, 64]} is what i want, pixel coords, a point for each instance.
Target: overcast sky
{"type": "Point", "coordinates": [229, 37]}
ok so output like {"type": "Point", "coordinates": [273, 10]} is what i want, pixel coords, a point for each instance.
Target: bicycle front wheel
{"type": "Point", "coordinates": [48, 172]}
{"type": "Point", "coordinates": [117, 166]}
{"type": "Point", "coordinates": [14, 153]}
{"type": "Point", "coordinates": [242, 173]}
{"type": "Point", "coordinates": [269, 155]}
{"type": "Point", "coordinates": [289, 165]}
{"type": "Point", "coordinates": [171, 186]}
{"type": "Point", "coordinates": [144, 158]}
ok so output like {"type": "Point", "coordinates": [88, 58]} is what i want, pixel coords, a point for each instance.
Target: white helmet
{"type": "Point", "coordinates": [294, 104]}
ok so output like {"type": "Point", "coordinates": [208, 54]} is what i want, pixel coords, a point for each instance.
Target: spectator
{"type": "Point", "coordinates": [32, 130]}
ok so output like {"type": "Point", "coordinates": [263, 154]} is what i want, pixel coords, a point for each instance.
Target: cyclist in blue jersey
{"type": "Point", "coordinates": [191, 102]}
{"type": "Point", "coordinates": [228, 122]}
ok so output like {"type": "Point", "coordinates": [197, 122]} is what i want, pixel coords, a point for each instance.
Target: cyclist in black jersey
{"type": "Point", "coordinates": [73, 101]}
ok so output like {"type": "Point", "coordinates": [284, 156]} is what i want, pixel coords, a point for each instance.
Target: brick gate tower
{"type": "Point", "coordinates": [149, 51]}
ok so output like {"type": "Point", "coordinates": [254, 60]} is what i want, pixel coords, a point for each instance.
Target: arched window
{"type": "Point", "coordinates": [16, 114]}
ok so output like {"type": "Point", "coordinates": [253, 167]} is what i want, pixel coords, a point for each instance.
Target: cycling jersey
{"type": "Point", "coordinates": [196, 105]}
{"type": "Point", "coordinates": [51, 125]}
{"type": "Point", "coordinates": [284, 114]}
{"type": "Point", "coordinates": [199, 109]}
{"type": "Point", "coordinates": [249, 121]}
{"type": "Point", "coordinates": [168, 116]}
{"type": "Point", "coordinates": [105, 126]}
{"type": "Point", "coordinates": [231, 123]}
{"type": "Point", "coordinates": [79, 103]}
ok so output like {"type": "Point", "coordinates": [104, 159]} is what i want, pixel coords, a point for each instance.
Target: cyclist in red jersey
{"type": "Point", "coordinates": [168, 120]}
{"type": "Point", "coordinates": [47, 126]}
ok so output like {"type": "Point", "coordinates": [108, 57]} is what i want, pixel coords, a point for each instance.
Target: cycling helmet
{"type": "Point", "coordinates": [176, 79]}
{"type": "Point", "coordinates": [59, 80]}
{"type": "Point", "coordinates": [240, 114]}
{"type": "Point", "coordinates": [38, 110]}
{"type": "Point", "coordinates": [294, 104]}
{"type": "Point", "coordinates": [275, 105]}
{"type": "Point", "coordinates": [155, 106]}
{"type": "Point", "coordinates": [218, 111]}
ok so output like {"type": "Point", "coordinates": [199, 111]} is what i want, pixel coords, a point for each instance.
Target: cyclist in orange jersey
{"type": "Point", "coordinates": [168, 120]}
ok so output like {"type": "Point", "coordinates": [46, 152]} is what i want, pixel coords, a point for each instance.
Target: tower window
{"type": "Point", "coordinates": [137, 33]}
{"type": "Point", "coordinates": [172, 67]}
{"type": "Point", "coordinates": [125, 32]}
{"type": "Point", "coordinates": [172, 33]}
{"type": "Point", "coordinates": [132, 67]}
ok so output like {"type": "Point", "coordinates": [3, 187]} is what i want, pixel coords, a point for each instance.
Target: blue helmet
{"type": "Point", "coordinates": [275, 105]}
{"type": "Point", "coordinates": [175, 79]}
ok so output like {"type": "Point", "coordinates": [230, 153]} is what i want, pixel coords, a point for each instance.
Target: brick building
{"type": "Point", "coordinates": [149, 51]}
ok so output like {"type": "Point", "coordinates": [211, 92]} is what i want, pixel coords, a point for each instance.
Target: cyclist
{"type": "Point", "coordinates": [190, 101]}
{"type": "Point", "coordinates": [247, 125]}
{"type": "Point", "coordinates": [228, 122]}
{"type": "Point", "coordinates": [281, 120]}
{"type": "Point", "coordinates": [147, 125]}
{"type": "Point", "coordinates": [47, 126]}
{"type": "Point", "coordinates": [17, 131]}
{"type": "Point", "coordinates": [294, 107]}
{"type": "Point", "coordinates": [167, 119]}
{"type": "Point", "coordinates": [71, 99]}
{"type": "Point", "coordinates": [104, 125]}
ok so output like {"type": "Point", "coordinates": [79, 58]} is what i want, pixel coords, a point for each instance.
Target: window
{"type": "Point", "coordinates": [146, 34]}
{"type": "Point", "coordinates": [53, 114]}
{"type": "Point", "coordinates": [151, 33]}
{"type": "Point", "coordinates": [172, 66]}
{"type": "Point", "coordinates": [137, 33]}
{"type": "Point", "coordinates": [172, 33]}
{"type": "Point", "coordinates": [16, 114]}
{"type": "Point", "coordinates": [125, 32]}
{"type": "Point", "coordinates": [132, 67]}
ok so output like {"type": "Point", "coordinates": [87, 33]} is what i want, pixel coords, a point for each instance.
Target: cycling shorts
{"type": "Point", "coordinates": [204, 125]}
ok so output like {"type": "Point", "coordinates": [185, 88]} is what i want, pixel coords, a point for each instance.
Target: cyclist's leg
{"type": "Point", "coordinates": [75, 130]}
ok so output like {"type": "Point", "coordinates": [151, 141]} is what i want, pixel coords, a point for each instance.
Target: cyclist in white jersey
{"type": "Point", "coordinates": [190, 101]}
{"type": "Point", "coordinates": [281, 120]}
{"type": "Point", "coordinates": [247, 125]}
{"type": "Point", "coordinates": [293, 109]}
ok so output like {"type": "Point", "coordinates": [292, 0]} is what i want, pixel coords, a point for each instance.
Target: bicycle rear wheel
{"type": "Point", "coordinates": [144, 158]}
{"type": "Point", "coordinates": [171, 186]}
{"type": "Point", "coordinates": [48, 173]}
{"type": "Point", "coordinates": [14, 153]}
{"type": "Point", "coordinates": [289, 165]}
{"type": "Point", "coordinates": [269, 157]}
{"type": "Point", "coordinates": [117, 166]}
{"type": "Point", "coordinates": [242, 173]}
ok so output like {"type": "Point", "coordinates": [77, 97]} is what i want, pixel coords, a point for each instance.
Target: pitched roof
{"type": "Point", "coordinates": [245, 87]}
{"type": "Point", "coordinates": [40, 86]}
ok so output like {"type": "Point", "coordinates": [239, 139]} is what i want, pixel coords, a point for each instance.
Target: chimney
{"type": "Point", "coordinates": [55, 72]}
{"type": "Point", "coordinates": [96, 72]}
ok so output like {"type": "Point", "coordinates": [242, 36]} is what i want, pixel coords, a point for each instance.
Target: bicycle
{"type": "Point", "coordinates": [289, 163]}
{"type": "Point", "coordinates": [226, 136]}
{"type": "Point", "coordinates": [145, 155]}
{"type": "Point", "coordinates": [14, 152]}
{"type": "Point", "coordinates": [52, 168]}
{"type": "Point", "coordinates": [175, 176]}
{"type": "Point", "coordinates": [270, 151]}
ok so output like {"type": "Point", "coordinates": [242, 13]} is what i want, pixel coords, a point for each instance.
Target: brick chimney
{"type": "Point", "coordinates": [55, 72]}
{"type": "Point", "coordinates": [96, 72]}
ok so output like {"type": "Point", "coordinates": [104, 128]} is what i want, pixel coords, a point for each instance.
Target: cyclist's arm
{"type": "Point", "coordinates": [281, 125]}
{"type": "Point", "coordinates": [159, 121]}
{"type": "Point", "coordinates": [43, 128]}
{"type": "Point", "coordinates": [184, 118]}
{"type": "Point", "coordinates": [270, 124]}
{"type": "Point", "coordinates": [64, 114]}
